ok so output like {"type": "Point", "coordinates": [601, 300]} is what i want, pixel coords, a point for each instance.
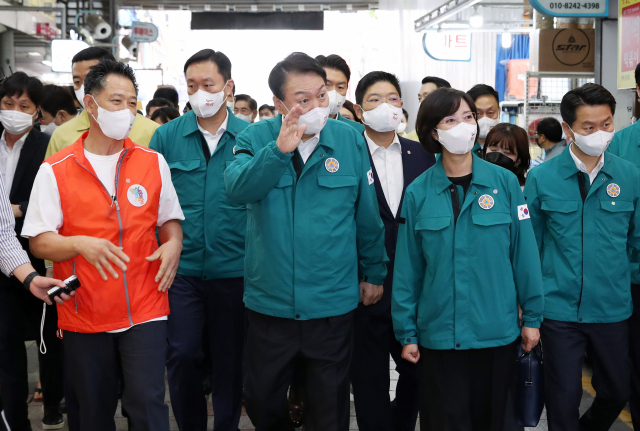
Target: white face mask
{"type": "Point", "coordinates": [247, 118]}
{"type": "Point", "coordinates": [114, 124]}
{"type": "Point", "coordinates": [205, 104]}
{"type": "Point", "coordinates": [401, 128]}
{"type": "Point", "coordinates": [315, 119]}
{"type": "Point", "coordinates": [594, 144]}
{"type": "Point", "coordinates": [231, 105]}
{"type": "Point", "coordinates": [459, 139]}
{"type": "Point", "coordinates": [49, 128]}
{"type": "Point", "coordinates": [262, 118]}
{"type": "Point", "coordinates": [384, 118]}
{"type": "Point", "coordinates": [16, 122]}
{"type": "Point", "coordinates": [80, 95]}
{"type": "Point", "coordinates": [336, 100]}
{"type": "Point", "coordinates": [486, 124]}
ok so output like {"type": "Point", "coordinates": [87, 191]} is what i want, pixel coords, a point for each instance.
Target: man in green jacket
{"type": "Point", "coordinates": [312, 212]}
{"type": "Point", "coordinates": [584, 210]}
{"type": "Point", "coordinates": [208, 288]}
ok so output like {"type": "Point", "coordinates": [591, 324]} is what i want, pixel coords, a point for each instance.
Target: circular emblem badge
{"type": "Point", "coordinates": [137, 195]}
{"type": "Point", "coordinates": [485, 202]}
{"type": "Point", "coordinates": [613, 190]}
{"type": "Point", "coordinates": [332, 165]}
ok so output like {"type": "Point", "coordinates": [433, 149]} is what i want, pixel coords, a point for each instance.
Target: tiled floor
{"type": "Point", "coordinates": [35, 409]}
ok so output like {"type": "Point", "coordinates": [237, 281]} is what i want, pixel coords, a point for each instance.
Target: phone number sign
{"type": "Point", "coordinates": [598, 8]}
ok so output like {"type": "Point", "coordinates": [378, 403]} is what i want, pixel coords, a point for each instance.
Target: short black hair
{"type": "Point", "coordinates": [296, 63]}
{"type": "Point", "coordinates": [439, 104]}
{"type": "Point", "coordinates": [637, 74]}
{"type": "Point", "coordinates": [165, 114]}
{"type": "Point", "coordinates": [20, 83]}
{"type": "Point", "coordinates": [373, 78]}
{"type": "Point", "coordinates": [265, 106]}
{"type": "Point", "coordinates": [588, 95]}
{"type": "Point", "coordinates": [483, 90]}
{"type": "Point", "coordinates": [406, 114]}
{"type": "Point", "coordinates": [93, 53]}
{"type": "Point", "coordinates": [95, 81]}
{"type": "Point", "coordinates": [168, 93]}
{"type": "Point", "coordinates": [438, 82]}
{"type": "Point", "coordinates": [56, 99]}
{"type": "Point", "coordinates": [550, 128]}
{"type": "Point", "coordinates": [217, 58]}
{"type": "Point", "coordinates": [253, 105]}
{"type": "Point", "coordinates": [158, 102]}
{"type": "Point", "coordinates": [336, 62]}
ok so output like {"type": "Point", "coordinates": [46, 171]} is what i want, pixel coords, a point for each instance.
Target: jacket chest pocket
{"type": "Point", "coordinates": [187, 181]}
{"type": "Point", "coordinates": [615, 219]}
{"type": "Point", "coordinates": [493, 227]}
{"type": "Point", "coordinates": [561, 214]}
{"type": "Point", "coordinates": [433, 233]}
{"type": "Point", "coordinates": [338, 193]}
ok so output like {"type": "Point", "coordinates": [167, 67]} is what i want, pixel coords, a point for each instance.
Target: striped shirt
{"type": "Point", "coordinates": [11, 253]}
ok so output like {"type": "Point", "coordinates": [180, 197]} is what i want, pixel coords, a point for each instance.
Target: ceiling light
{"type": "Point", "coordinates": [34, 54]}
{"type": "Point", "coordinates": [476, 19]}
{"type": "Point", "coordinates": [506, 39]}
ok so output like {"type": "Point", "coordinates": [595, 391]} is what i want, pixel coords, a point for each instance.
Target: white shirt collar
{"type": "Point", "coordinates": [18, 143]}
{"type": "Point", "coordinates": [582, 168]}
{"type": "Point", "coordinates": [373, 147]}
{"type": "Point", "coordinates": [306, 148]}
{"type": "Point", "coordinates": [221, 130]}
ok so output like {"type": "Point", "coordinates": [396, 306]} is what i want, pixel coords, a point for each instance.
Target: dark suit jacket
{"type": "Point", "coordinates": [415, 160]}
{"type": "Point", "coordinates": [31, 157]}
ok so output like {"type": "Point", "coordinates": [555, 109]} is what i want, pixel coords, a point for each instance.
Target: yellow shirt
{"type": "Point", "coordinates": [413, 136]}
{"type": "Point", "coordinates": [70, 132]}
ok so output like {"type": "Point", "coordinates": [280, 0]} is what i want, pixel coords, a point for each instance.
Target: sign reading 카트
{"type": "Point", "coordinates": [628, 42]}
{"type": "Point", "coordinates": [562, 50]}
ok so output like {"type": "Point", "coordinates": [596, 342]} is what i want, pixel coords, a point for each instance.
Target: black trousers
{"type": "Point", "coordinates": [218, 305]}
{"type": "Point", "coordinates": [91, 362]}
{"type": "Point", "coordinates": [20, 317]}
{"type": "Point", "coordinates": [273, 346]}
{"type": "Point", "coordinates": [634, 350]}
{"type": "Point", "coordinates": [465, 390]}
{"type": "Point", "coordinates": [373, 341]}
{"type": "Point", "coordinates": [564, 346]}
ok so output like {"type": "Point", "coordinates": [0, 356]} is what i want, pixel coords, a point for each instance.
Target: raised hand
{"type": "Point", "coordinates": [290, 134]}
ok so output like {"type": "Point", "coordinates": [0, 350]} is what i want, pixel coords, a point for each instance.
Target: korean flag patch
{"type": "Point", "coordinates": [523, 212]}
{"type": "Point", "coordinates": [370, 176]}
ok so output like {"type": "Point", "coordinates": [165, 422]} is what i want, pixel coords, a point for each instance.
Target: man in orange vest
{"type": "Point", "coordinates": [94, 210]}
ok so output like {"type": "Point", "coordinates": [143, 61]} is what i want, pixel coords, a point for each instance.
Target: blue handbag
{"type": "Point", "coordinates": [529, 397]}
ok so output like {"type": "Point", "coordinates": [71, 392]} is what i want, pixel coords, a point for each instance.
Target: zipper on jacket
{"type": "Point", "coordinates": [115, 200]}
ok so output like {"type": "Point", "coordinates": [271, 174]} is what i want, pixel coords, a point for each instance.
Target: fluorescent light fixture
{"type": "Point", "coordinates": [507, 39]}
{"type": "Point", "coordinates": [476, 19]}
{"type": "Point", "coordinates": [34, 54]}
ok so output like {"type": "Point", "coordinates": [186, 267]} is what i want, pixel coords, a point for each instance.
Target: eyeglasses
{"type": "Point", "coordinates": [376, 101]}
{"type": "Point", "coordinates": [469, 118]}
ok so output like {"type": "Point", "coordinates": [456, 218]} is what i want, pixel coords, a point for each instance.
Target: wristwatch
{"type": "Point", "coordinates": [28, 279]}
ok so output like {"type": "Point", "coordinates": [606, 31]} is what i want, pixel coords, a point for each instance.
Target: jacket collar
{"type": "Point", "coordinates": [191, 124]}
{"type": "Point", "coordinates": [568, 166]}
{"type": "Point", "coordinates": [78, 150]}
{"type": "Point", "coordinates": [481, 175]}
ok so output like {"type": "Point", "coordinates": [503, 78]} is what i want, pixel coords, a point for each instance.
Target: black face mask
{"type": "Point", "coordinates": [500, 160]}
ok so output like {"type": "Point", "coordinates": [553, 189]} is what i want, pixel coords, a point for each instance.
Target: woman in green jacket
{"type": "Point", "coordinates": [466, 258]}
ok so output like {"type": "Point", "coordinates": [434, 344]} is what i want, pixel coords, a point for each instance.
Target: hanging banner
{"type": "Point", "coordinates": [143, 32]}
{"type": "Point", "coordinates": [589, 8]}
{"type": "Point", "coordinates": [448, 45]}
{"type": "Point", "coordinates": [628, 42]}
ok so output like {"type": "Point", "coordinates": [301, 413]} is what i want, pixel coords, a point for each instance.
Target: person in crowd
{"type": "Point", "coordinates": [454, 306]}
{"type": "Point", "coordinates": [265, 112]}
{"type": "Point", "coordinates": [76, 102]}
{"type": "Point", "coordinates": [402, 127]}
{"type": "Point", "coordinates": [157, 103]}
{"type": "Point", "coordinates": [67, 134]}
{"type": "Point", "coordinates": [22, 150]}
{"type": "Point", "coordinates": [313, 213]}
{"type": "Point", "coordinates": [549, 138]}
{"type": "Point", "coordinates": [395, 163]}
{"type": "Point", "coordinates": [168, 92]}
{"type": "Point", "coordinates": [245, 108]}
{"type": "Point", "coordinates": [164, 115]}
{"type": "Point", "coordinates": [507, 146]}
{"type": "Point", "coordinates": [626, 144]}
{"type": "Point", "coordinates": [57, 108]}
{"type": "Point", "coordinates": [429, 85]}
{"type": "Point", "coordinates": [94, 211]}
{"type": "Point", "coordinates": [208, 288]}
{"type": "Point", "coordinates": [187, 108]}
{"type": "Point", "coordinates": [584, 210]}
{"type": "Point", "coordinates": [347, 111]}
{"type": "Point", "coordinates": [487, 103]}
{"type": "Point", "coordinates": [338, 76]}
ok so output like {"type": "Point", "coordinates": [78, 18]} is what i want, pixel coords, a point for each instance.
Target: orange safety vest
{"type": "Point", "coordinates": [128, 220]}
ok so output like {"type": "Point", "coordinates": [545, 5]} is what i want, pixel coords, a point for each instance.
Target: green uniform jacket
{"type": "Point", "coordinates": [458, 286]}
{"type": "Point", "coordinates": [359, 127]}
{"type": "Point", "coordinates": [214, 228]}
{"type": "Point", "coordinates": [583, 247]}
{"type": "Point", "coordinates": [304, 236]}
{"type": "Point", "coordinates": [477, 149]}
{"type": "Point", "coordinates": [626, 145]}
